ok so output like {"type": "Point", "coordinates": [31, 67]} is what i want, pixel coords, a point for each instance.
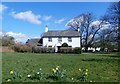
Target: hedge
{"type": "Point", "coordinates": [35, 49]}
{"type": "Point", "coordinates": [32, 49]}
{"type": "Point", "coordinates": [76, 50]}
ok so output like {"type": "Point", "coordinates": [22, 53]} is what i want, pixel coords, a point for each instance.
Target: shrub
{"type": "Point", "coordinates": [7, 40]}
{"type": "Point", "coordinates": [50, 50]}
{"type": "Point", "coordinates": [36, 49]}
{"type": "Point", "coordinates": [77, 50]}
{"type": "Point", "coordinates": [64, 45]}
{"type": "Point", "coordinates": [47, 50]}
{"type": "Point", "coordinates": [21, 48]}
{"type": "Point", "coordinates": [66, 50]}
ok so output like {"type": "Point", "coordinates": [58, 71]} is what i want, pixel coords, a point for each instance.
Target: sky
{"type": "Point", "coordinates": [26, 20]}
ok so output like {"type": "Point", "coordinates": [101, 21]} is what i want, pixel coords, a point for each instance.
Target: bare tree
{"type": "Point", "coordinates": [114, 19]}
{"type": "Point", "coordinates": [88, 27]}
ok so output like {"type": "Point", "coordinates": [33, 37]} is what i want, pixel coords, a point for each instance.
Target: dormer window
{"type": "Point", "coordinates": [59, 39]}
{"type": "Point", "coordinates": [49, 39]}
{"type": "Point", "coordinates": [69, 39]}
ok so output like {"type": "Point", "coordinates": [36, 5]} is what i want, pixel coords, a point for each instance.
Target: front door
{"type": "Point", "coordinates": [58, 49]}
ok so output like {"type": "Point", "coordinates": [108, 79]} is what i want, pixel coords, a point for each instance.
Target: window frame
{"type": "Point", "coordinates": [69, 39]}
{"type": "Point", "coordinates": [49, 39]}
{"type": "Point", "coordinates": [59, 39]}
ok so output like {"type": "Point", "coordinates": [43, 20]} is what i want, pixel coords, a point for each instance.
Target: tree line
{"type": "Point", "coordinates": [103, 32]}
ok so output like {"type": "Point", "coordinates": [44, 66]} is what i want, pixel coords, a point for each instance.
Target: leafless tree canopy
{"type": "Point", "coordinates": [88, 27]}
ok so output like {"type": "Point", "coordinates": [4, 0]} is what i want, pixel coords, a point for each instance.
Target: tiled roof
{"type": "Point", "coordinates": [61, 33]}
{"type": "Point", "coordinates": [32, 41]}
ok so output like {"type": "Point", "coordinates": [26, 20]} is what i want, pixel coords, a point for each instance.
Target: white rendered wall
{"type": "Point", "coordinates": [75, 42]}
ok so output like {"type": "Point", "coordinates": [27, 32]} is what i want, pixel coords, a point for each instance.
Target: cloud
{"type": "Point", "coordinates": [106, 26]}
{"type": "Point", "coordinates": [28, 16]}
{"type": "Point", "coordinates": [47, 18]}
{"type": "Point", "coordinates": [2, 8]}
{"type": "Point", "coordinates": [95, 23]}
{"type": "Point", "coordinates": [60, 21]}
{"type": "Point", "coordinates": [19, 37]}
{"type": "Point", "coordinates": [1, 33]}
{"type": "Point", "coordinates": [91, 35]}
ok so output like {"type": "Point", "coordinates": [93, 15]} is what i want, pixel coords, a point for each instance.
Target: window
{"type": "Point", "coordinates": [69, 39]}
{"type": "Point", "coordinates": [50, 46]}
{"type": "Point", "coordinates": [49, 39]}
{"type": "Point", "coordinates": [59, 39]}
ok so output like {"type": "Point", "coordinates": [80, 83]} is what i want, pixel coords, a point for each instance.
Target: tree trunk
{"type": "Point", "coordinates": [86, 48]}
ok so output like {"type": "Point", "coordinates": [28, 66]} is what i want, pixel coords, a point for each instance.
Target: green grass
{"type": "Point", "coordinates": [102, 67]}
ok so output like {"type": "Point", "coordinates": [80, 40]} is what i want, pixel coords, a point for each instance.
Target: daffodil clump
{"type": "Point", "coordinates": [83, 74]}
{"type": "Point", "coordinates": [58, 74]}
{"type": "Point", "coordinates": [36, 76]}
{"type": "Point", "coordinates": [11, 72]}
{"type": "Point", "coordinates": [14, 76]}
{"type": "Point", "coordinates": [9, 80]}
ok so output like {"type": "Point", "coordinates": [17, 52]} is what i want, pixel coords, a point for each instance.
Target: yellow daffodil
{"type": "Point", "coordinates": [38, 72]}
{"type": "Point", "coordinates": [11, 72]}
{"type": "Point", "coordinates": [57, 66]}
{"type": "Point", "coordinates": [40, 69]}
{"type": "Point", "coordinates": [90, 81]}
{"type": "Point", "coordinates": [86, 73]}
{"type": "Point", "coordinates": [29, 76]}
{"type": "Point", "coordinates": [79, 69]}
{"type": "Point", "coordinates": [54, 70]}
{"type": "Point", "coordinates": [87, 70]}
{"type": "Point", "coordinates": [8, 80]}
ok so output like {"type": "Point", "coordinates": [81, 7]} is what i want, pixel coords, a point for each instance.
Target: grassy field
{"type": "Point", "coordinates": [101, 67]}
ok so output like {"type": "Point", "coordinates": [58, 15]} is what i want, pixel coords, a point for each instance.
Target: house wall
{"type": "Point", "coordinates": [75, 42]}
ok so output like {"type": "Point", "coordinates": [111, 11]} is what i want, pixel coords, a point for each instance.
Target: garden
{"type": "Point", "coordinates": [57, 67]}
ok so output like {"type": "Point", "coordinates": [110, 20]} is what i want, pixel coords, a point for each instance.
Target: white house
{"type": "Point", "coordinates": [55, 38]}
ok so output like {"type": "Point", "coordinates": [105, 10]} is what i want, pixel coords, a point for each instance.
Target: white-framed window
{"type": "Point", "coordinates": [49, 39]}
{"type": "Point", "coordinates": [60, 39]}
{"type": "Point", "coordinates": [69, 39]}
{"type": "Point", "coordinates": [50, 46]}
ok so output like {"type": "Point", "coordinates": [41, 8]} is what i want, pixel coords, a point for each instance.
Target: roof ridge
{"type": "Point", "coordinates": [61, 30]}
{"type": "Point", "coordinates": [55, 30]}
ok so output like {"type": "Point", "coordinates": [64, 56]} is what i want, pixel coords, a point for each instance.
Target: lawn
{"type": "Point", "coordinates": [101, 67]}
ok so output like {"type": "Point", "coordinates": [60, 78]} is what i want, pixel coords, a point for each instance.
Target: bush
{"type": "Point", "coordinates": [66, 50]}
{"type": "Point", "coordinates": [42, 50]}
{"type": "Point", "coordinates": [50, 50]}
{"type": "Point", "coordinates": [77, 50]}
{"type": "Point", "coordinates": [34, 49]}
{"type": "Point", "coordinates": [64, 45]}
{"type": "Point", "coordinates": [21, 48]}
{"type": "Point", "coordinates": [7, 41]}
